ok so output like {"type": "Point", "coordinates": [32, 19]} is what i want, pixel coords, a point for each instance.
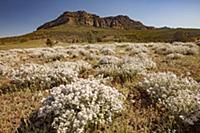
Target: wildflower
{"type": "Point", "coordinates": [177, 94]}
{"type": "Point", "coordinates": [96, 104]}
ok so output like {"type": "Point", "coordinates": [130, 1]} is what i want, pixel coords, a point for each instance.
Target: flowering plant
{"type": "Point", "coordinates": [179, 95]}
{"type": "Point", "coordinates": [82, 102]}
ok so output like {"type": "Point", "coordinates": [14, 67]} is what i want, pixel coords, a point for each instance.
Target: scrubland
{"type": "Point", "coordinates": [115, 87]}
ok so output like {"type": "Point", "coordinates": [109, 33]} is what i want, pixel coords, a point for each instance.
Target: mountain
{"type": "Point", "coordinates": [87, 19]}
{"type": "Point", "coordinates": [83, 27]}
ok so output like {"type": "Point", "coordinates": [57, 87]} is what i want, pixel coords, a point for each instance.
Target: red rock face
{"type": "Point", "coordinates": [87, 19]}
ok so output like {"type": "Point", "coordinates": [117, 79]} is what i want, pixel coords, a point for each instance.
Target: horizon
{"type": "Point", "coordinates": [18, 18]}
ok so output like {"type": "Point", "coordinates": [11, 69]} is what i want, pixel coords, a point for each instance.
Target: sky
{"type": "Point", "coordinates": [23, 16]}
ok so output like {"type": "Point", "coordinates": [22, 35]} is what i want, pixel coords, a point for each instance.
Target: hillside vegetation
{"type": "Point", "coordinates": [83, 27]}
{"type": "Point", "coordinates": [85, 34]}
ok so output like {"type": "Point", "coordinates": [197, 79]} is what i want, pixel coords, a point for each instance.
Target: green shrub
{"type": "Point", "coordinates": [49, 43]}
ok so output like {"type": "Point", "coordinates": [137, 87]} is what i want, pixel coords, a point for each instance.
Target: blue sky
{"type": "Point", "coordinates": [23, 16]}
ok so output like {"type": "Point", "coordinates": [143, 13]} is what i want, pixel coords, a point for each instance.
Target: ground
{"type": "Point", "coordinates": [126, 65]}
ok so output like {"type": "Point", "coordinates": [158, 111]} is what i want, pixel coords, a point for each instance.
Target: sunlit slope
{"type": "Point", "coordinates": [74, 33]}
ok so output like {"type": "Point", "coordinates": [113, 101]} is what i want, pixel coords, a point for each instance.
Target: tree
{"type": "Point", "coordinates": [49, 42]}
{"type": "Point", "coordinates": [91, 37]}
{"type": "Point", "coordinates": [179, 36]}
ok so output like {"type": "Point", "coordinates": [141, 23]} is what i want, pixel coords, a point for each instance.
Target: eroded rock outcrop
{"type": "Point", "coordinates": [87, 19]}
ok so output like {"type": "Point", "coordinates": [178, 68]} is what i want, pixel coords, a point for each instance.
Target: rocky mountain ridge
{"type": "Point", "coordinates": [88, 19]}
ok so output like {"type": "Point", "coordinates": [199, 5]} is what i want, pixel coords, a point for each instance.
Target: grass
{"type": "Point", "coordinates": [18, 105]}
{"type": "Point", "coordinates": [28, 44]}
{"type": "Point", "coordinates": [81, 34]}
{"type": "Point", "coordinates": [182, 66]}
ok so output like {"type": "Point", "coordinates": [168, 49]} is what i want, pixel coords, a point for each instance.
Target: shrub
{"type": "Point", "coordinates": [86, 101]}
{"type": "Point", "coordinates": [109, 60]}
{"type": "Point", "coordinates": [91, 37]}
{"type": "Point", "coordinates": [174, 56]}
{"type": "Point", "coordinates": [49, 43]}
{"type": "Point", "coordinates": [177, 94]}
{"type": "Point", "coordinates": [107, 51]}
{"type": "Point", "coordinates": [126, 68]}
{"type": "Point", "coordinates": [177, 47]}
{"type": "Point", "coordinates": [179, 36]}
{"type": "Point", "coordinates": [47, 75]}
{"type": "Point", "coordinates": [137, 49]}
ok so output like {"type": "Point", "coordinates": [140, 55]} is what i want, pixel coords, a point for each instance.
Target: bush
{"type": "Point", "coordinates": [174, 56]}
{"type": "Point", "coordinates": [91, 37]}
{"type": "Point", "coordinates": [47, 75]}
{"type": "Point", "coordinates": [179, 95]}
{"type": "Point", "coordinates": [86, 101]}
{"type": "Point", "coordinates": [126, 68]}
{"type": "Point", "coordinates": [179, 36]}
{"type": "Point", "coordinates": [176, 48]}
{"type": "Point", "coordinates": [107, 51]}
{"type": "Point", "coordinates": [49, 43]}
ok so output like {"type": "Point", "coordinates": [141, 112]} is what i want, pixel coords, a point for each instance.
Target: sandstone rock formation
{"type": "Point", "coordinates": [87, 19]}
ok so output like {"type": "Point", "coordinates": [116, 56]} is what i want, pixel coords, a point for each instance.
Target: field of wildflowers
{"type": "Point", "coordinates": [118, 87]}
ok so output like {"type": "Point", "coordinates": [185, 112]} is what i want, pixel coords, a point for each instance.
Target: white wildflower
{"type": "Point", "coordinates": [179, 95]}
{"type": "Point", "coordinates": [96, 103]}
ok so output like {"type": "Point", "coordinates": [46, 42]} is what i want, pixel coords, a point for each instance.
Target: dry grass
{"type": "Point", "coordinates": [18, 105]}
{"type": "Point", "coordinates": [140, 116]}
{"type": "Point", "coordinates": [28, 44]}
{"type": "Point", "coordinates": [188, 66]}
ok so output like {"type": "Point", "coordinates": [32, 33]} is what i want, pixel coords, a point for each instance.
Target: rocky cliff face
{"type": "Point", "coordinates": [87, 19]}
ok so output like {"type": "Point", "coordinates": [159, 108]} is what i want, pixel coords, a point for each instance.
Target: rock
{"type": "Point", "coordinates": [87, 19]}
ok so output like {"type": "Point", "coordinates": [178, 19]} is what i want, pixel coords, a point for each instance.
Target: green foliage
{"type": "Point", "coordinates": [179, 36]}
{"type": "Point", "coordinates": [91, 37]}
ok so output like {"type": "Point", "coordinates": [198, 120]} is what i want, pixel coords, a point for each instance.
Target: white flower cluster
{"type": "Point", "coordinates": [177, 47]}
{"type": "Point", "coordinates": [45, 54]}
{"type": "Point", "coordinates": [109, 60]}
{"type": "Point", "coordinates": [137, 49]}
{"type": "Point", "coordinates": [180, 95]}
{"type": "Point", "coordinates": [80, 103]}
{"type": "Point", "coordinates": [47, 74]}
{"type": "Point", "coordinates": [9, 57]}
{"type": "Point", "coordinates": [92, 46]}
{"type": "Point", "coordinates": [138, 63]}
{"type": "Point", "coordinates": [3, 69]}
{"type": "Point", "coordinates": [174, 56]}
{"type": "Point", "coordinates": [125, 66]}
{"type": "Point", "coordinates": [56, 52]}
{"type": "Point", "coordinates": [107, 51]}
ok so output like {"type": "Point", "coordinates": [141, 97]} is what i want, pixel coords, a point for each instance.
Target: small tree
{"type": "Point", "coordinates": [91, 37]}
{"type": "Point", "coordinates": [49, 42]}
{"type": "Point", "coordinates": [179, 36]}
